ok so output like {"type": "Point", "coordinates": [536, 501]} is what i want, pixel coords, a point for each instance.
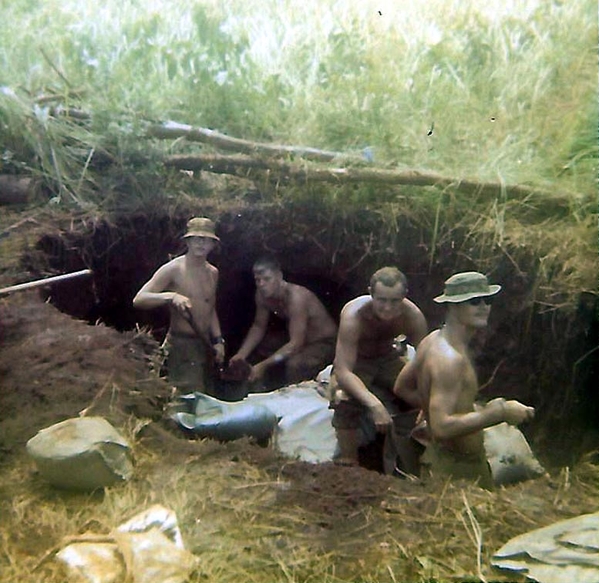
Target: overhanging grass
{"type": "Point", "coordinates": [502, 92]}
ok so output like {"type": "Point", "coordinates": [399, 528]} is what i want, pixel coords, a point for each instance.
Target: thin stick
{"type": "Point", "coordinates": [85, 411]}
{"type": "Point", "coordinates": [43, 282]}
{"type": "Point", "coordinates": [478, 537]}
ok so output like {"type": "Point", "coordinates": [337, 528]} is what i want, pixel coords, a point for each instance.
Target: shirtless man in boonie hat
{"type": "Point", "coordinates": [441, 379]}
{"type": "Point", "coordinates": [187, 285]}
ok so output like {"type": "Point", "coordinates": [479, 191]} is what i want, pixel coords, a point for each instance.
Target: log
{"type": "Point", "coordinates": [15, 189]}
{"type": "Point", "coordinates": [43, 282]}
{"type": "Point", "coordinates": [302, 173]}
{"type": "Point", "coordinates": [172, 130]}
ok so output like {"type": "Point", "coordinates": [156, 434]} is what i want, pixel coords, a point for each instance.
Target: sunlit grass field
{"type": "Point", "coordinates": [494, 90]}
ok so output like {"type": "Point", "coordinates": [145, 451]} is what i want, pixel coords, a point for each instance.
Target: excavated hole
{"type": "Point", "coordinates": [543, 358]}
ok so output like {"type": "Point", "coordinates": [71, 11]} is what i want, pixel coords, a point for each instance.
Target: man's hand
{"type": "Point", "coordinates": [380, 417]}
{"type": "Point", "coordinates": [516, 412]}
{"type": "Point", "coordinates": [257, 373]}
{"type": "Point", "coordinates": [512, 412]}
{"type": "Point", "coordinates": [181, 303]}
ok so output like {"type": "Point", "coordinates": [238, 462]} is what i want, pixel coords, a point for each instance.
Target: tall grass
{"type": "Point", "coordinates": [502, 91]}
{"type": "Point", "coordinates": [509, 86]}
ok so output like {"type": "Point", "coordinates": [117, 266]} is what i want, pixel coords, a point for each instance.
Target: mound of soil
{"type": "Point", "coordinates": [54, 367]}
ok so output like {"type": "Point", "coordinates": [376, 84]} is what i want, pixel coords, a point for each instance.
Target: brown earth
{"type": "Point", "coordinates": [54, 367]}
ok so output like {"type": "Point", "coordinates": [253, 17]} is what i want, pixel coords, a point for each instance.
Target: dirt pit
{"type": "Point", "coordinates": [244, 509]}
{"type": "Point", "coordinates": [545, 357]}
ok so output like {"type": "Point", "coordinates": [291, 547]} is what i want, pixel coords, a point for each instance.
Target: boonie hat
{"type": "Point", "coordinates": [201, 227]}
{"type": "Point", "coordinates": [462, 287]}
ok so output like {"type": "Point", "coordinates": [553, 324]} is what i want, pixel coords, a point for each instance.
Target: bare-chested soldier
{"type": "Point", "coordinates": [187, 285]}
{"type": "Point", "coordinates": [310, 329]}
{"type": "Point", "coordinates": [442, 380]}
{"type": "Point", "coordinates": [367, 364]}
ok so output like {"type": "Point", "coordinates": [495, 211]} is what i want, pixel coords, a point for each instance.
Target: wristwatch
{"type": "Point", "coordinates": [218, 340]}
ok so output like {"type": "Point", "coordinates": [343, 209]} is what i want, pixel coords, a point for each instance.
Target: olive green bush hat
{"type": "Point", "coordinates": [201, 227]}
{"type": "Point", "coordinates": [462, 287]}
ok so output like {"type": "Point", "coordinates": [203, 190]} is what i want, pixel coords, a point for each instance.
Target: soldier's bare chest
{"type": "Point", "coordinates": [198, 286]}
{"type": "Point", "coordinates": [278, 306]}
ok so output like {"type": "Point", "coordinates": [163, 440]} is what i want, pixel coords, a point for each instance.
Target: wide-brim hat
{"type": "Point", "coordinates": [462, 287]}
{"type": "Point", "coordinates": [201, 227]}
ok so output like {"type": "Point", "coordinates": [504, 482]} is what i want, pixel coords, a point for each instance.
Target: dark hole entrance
{"type": "Point", "coordinates": [124, 255]}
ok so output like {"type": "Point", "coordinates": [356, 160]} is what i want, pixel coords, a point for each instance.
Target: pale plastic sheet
{"type": "Point", "coordinates": [304, 430]}
{"type": "Point", "coordinates": [146, 549]}
{"type": "Point", "coordinates": [565, 551]}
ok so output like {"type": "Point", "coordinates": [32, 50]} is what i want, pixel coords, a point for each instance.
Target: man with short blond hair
{"type": "Point", "coordinates": [442, 380]}
{"type": "Point", "coordinates": [187, 286]}
{"type": "Point", "coordinates": [310, 329]}
{"type": "Point", "coordinates": [367, 364]}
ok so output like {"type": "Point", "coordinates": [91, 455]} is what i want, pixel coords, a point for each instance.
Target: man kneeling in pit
{"type": "Point", "coordinates": [366, 366]}
{"type": "Point", "coordinates": [307, 343]}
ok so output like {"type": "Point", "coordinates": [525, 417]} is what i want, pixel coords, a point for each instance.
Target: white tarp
{"type": "Point", "coordinates": [565, 551]}
{"type": "Point", "coordinates": [305, 430]}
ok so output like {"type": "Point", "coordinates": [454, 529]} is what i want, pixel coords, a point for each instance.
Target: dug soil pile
{"type": "Point", "coordinates": [54, 367]}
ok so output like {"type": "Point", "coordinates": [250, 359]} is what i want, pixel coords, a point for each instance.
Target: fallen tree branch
{"type": "Point", "coordinates": [172, 130]}
{"type": "Point", "coordinates": [286, 172]}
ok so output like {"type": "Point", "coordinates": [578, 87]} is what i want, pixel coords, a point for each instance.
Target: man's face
{"type": "Point", "coordinates": [475, 312]}
{"type": "Point", "coordinates": [200, 246]}
{"type": "Point", "coordinates": [268, 282]}
{"type": "Point", "coordinates": [387, 302]}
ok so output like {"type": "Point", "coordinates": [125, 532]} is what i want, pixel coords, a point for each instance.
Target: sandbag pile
{"type": "Point", "coordinates": [84, 453]}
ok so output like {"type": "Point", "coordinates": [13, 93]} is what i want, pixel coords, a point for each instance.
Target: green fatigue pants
{"type": "Point", "coordinates": [349, 415]}
{"type": "Point", "coordinates": [189, 363]}
{"type": "Point", "coordinates": [474, 467]}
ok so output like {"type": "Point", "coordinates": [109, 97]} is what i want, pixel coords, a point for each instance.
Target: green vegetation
{"type": "Point", "coordinates": [511, 93]}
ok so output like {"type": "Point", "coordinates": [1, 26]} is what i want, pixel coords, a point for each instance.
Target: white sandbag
{"type": "Point", "coordinates": [81, 454]}
{"type": "Point", "coordinates": [146, 549]}
{"type": "Point", "coordinates": [510, 456]}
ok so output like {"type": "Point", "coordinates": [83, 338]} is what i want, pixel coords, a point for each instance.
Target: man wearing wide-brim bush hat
{"type": "Point", "coordinates": [201, 227]}
{"type": "Point", "coordinates": [462, 287]}
{"type": "Point", "coordinates": [441, 379]}
{"type": "Point", "coordinates": [187, 286]}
